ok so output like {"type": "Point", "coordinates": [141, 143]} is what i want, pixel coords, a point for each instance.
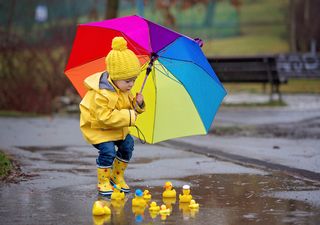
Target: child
{"type": "Point", "coordinates": [107, 110]}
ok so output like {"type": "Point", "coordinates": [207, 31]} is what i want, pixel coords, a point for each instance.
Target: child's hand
{"type": "Point", "coordinates": [139, 99]}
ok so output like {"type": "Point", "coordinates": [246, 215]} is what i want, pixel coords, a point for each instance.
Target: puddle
{"type": "Point", "coordinates": [75, 171]}
{"type": "Point", "coordinates": [71, 162]}
{"type": "Point", "coordinates": [65, 191]}
{"type": "Point", "coordinates": [311, 196]}
{"type": "Point", "coordinates": [42, 148]}
{"type": "Point", "coordinates": [223, 198]}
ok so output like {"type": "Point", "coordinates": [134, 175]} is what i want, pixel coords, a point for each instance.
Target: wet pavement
{"type": "Point", "coordinates": [61, 183]}
{"type": "Point", "coordinates": [62, 190]}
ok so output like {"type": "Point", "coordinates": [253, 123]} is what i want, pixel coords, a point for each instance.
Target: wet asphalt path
{"type": "Point", "coordinates": [62, 190]}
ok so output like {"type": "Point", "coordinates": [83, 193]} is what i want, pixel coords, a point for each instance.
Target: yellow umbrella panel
{"type": "Point", "coordinates": [170, 112]}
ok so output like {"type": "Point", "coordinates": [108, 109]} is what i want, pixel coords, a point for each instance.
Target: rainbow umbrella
{"type": "Point", "coordinates": [181, 91]}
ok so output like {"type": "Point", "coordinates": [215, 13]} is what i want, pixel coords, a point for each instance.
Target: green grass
{"type": "Point", "coordinates": [263, 31]}
{"type": "Point", "coordinates": [245, 46]}
{"type": "Point", "coordinates": [270, 11]}
{"type": "Point", "coordinates": [294, 86]}
{"type": "Point", "coordinates": [12, 113]}
{"type": "Point", "coordinates": [5, 165]}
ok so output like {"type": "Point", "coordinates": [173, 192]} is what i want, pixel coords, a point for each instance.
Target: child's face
{"type": "Point", "coordinates": [125, 85]}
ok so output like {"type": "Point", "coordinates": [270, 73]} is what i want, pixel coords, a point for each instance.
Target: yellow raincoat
{"type": "Point", "coordinates": [106, 112]}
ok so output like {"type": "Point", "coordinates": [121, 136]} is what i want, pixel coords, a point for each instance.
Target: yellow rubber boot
{"type": "Point", "coordinates": [117, 177]}
{"type": "Point", "coordinates": [104, 186]}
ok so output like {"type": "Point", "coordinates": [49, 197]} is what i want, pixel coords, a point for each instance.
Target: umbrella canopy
{"type": "Point", "coordinates": [182, 92]}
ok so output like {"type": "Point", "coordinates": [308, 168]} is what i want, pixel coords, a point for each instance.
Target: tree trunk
{"type": "Point", "coordinates": [292, 26]}
{"type": "Point", "coordinates": [209, 14]}
{"type": "Point", "coordinates": [112, 8]}
{"type": "Point", "coordinates": [10, 18]}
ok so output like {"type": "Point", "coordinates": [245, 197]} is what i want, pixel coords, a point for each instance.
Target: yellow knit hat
{"type": "Point", "coordinates": [121, 62]}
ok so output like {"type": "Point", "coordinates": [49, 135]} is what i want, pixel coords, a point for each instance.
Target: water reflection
{"type": "Point", "coordinates": [100, 220]}
{"type": "Point", "coordinates": [138, 212]}
{"type": "Point", "coordinates": [169, 202]}
{"type": "Point", "coordinates": [186, 212]}
{"type": "Point", "coordinates": [223, 199]}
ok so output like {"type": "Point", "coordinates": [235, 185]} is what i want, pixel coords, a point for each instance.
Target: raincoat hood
{"type": "Point", "coordinates": [99, 82]}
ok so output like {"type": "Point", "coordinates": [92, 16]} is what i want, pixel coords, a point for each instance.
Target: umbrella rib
{"type": "Point", "coordinates": [182, 60]}
{"type": "Point", "coordinates": [155, 104]}
{"type": "Point", "coordinates": [167, 74]}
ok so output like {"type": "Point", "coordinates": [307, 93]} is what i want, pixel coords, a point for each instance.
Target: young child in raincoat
{"type": "Point", "coordinates": [107, 111]}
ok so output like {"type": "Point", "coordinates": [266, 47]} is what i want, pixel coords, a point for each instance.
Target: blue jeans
{"type": "Point", "coordinates": [107, 151]}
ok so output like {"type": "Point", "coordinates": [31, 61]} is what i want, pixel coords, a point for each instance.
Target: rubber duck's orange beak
{"type": "Point", "coordinates": [167, 185]}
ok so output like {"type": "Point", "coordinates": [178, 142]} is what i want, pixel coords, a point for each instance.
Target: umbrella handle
{"type": "Point", "coordinates": [154, 56]}
{"type": "Point", "coordinates": [144, 82]}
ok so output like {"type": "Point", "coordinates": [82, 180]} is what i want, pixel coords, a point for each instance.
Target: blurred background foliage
{"type": "Point", "coordinates": [36, 36]}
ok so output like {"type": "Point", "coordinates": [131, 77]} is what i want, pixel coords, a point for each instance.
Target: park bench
{"type": "Point", "coordinates": [255, 69]}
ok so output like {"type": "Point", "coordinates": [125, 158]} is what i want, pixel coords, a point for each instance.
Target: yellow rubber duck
{"type": "Point", "coordinates": [164, 210]}
{"type": "Point", "coordinates": [100, 208]}
{"type": "Point", "coordinates": [138, 199]}
{"type": "Point", "coordinates": [193, 205]}
{"type": "Point", "coordinates": [163, 216]}
{"type": "Point", "coordinates": [185, 197]}
{"type": "Point", "coordinates": [117, 194]}
{"type": "Point", "coordinates": [154, 207]}
{"type": "Point", "coordinates": [118, 205]}
{"type": "Point", "coordinates": [153, 214]}
{"type": "Point", "coordinates": [146, 195]}
{"type": "Point", "coordinates": [169, 192]}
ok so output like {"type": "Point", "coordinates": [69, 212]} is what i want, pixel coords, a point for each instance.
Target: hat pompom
{"type": "Point", "coordinates": [119, 43]}
{"type": "Point", "coordinates": [121, 62]}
